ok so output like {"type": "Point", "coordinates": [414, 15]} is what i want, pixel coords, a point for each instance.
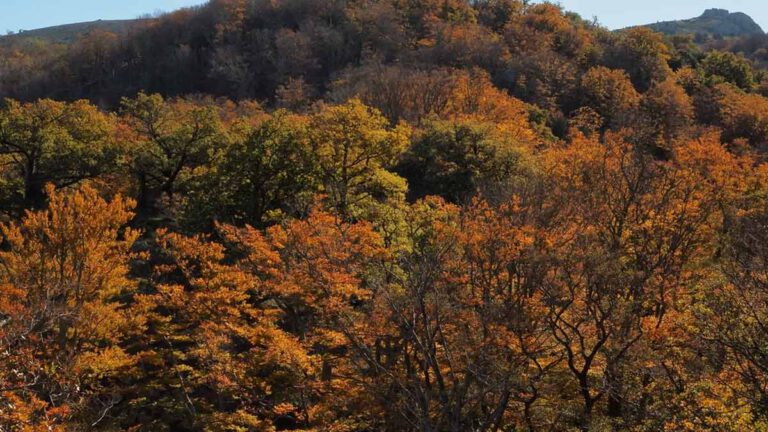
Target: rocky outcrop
{"type": "Point", "coordinates": [715, 22]}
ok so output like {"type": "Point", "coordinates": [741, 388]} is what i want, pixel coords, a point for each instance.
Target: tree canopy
{"type": "Point", "coordinates": [383, 216]}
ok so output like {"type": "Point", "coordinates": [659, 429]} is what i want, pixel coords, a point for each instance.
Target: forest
{"type": "Point", "coordinates": [383, 215]}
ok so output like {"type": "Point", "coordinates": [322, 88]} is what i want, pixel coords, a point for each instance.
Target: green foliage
{"type": "Point", "coordinates": [643, 54]}
{"type": "Point", "coordinates": [169, 143]}
{"type": "Point", "coordinates": [354, 147]}
{"type": "Point", "coordinates": [457, 160]}
{"type": "Point", "coordinates": [54, 142]}
{"type": "Point", "coordinates": [728, 67]}
{"type": "Point", "coordinates": [270, 174]}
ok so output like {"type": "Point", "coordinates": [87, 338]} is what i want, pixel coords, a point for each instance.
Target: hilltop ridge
{"type": "Point", "coordinates": [68, 33]}
{"type": "Point", "coordinates": [714, 22]}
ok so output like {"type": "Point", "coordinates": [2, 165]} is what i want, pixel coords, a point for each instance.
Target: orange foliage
{"type": "Point", "coordinates": [64, 275]}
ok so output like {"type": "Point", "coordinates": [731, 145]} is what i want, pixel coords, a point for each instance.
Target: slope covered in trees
{"type": "Point", "coordinates": [383, 216]}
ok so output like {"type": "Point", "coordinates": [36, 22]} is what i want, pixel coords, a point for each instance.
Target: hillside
{"type": "Point", "coordinates": [253, 49]}
{"type": "Point", "coordinates": [715, 22]}
{"type": "Point", "coordinates": [69, 33]}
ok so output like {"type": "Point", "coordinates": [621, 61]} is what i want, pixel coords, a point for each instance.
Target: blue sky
{"type": "Point", "coordinates": [623, 13]}
{"type": "Point", "coordinates": [31, 14]}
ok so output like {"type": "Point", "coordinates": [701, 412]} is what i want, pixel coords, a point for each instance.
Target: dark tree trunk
{"type": "Point", "coordinates": [615, 385]}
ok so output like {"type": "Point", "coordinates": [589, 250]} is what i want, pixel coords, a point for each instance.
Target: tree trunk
{"type": "Point", "coordinates": [615, 385]}
{"type": "Point", "coordinates": [33, 187]}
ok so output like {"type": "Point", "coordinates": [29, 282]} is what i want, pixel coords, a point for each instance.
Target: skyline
{"type": "Point", "coordinates": [617, 15]}
{"type": "Point", "coordinates": [18, 15]}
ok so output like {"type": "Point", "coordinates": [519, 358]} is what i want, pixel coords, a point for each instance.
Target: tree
{"type": "Point", "coordinates": [170, 142]}
{"type": "Point", "coordinates": [400, 93]}
{"type": "Point", "coordinates": [217, 339]}
{"type": "Point", "coordinates": [66, 320]}
{"type": "Point", "coordinates": [667, 111]}
{"type": "Point", "coordinates": [269, 173]}
{"type": "Point", "coordinates": [414, 95]}
{"type": "Point", "coordinates": [642, 53]}
{"type": "Point", "coordinates": [625, 233]}
{"type": "Point", "coordinates": [741, 115]}
{"type": "Point", "coordinates": [547, 27]}
{"type": "Point", "coordinates": [466, 344]}
{"type": "Point", "coordinates": [252, 331]}
{"type": "Point", "coordinates": [382, 29]}
{"type": "Point", "coordinates": [611, 94]}
{"type": "Point", "coordinates": [459, 159]}
{"type": "Point", "coordinates": [706, 389]}
{"type": "Point", "coordinates": [547, 80]}
{"type": "Point", "coordinates": [55, 142]}
{"type": "Point", "coordinates": [354, 146]}
{"type": "Point", "coordinates": [495, 14]}
{"type": "Point", "coordinates": [466, 45]}
{"type": "Point", "coordinates": [733, 305]}
{"type": "Point", "coordinates": [728, 67]}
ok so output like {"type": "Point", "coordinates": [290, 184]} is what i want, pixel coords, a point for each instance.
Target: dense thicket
{"type": "Point", "coordinates": [295, 51]}
{"type": "Point", "coordinates": [439, 216]}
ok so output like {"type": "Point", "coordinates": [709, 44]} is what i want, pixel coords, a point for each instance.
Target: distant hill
{"type": "Point", "coordinates": [286, 51]}
{"type": "Point", "coordinates": [715, 22]}
{"type": "Point", "coordinates": [69, 33]}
